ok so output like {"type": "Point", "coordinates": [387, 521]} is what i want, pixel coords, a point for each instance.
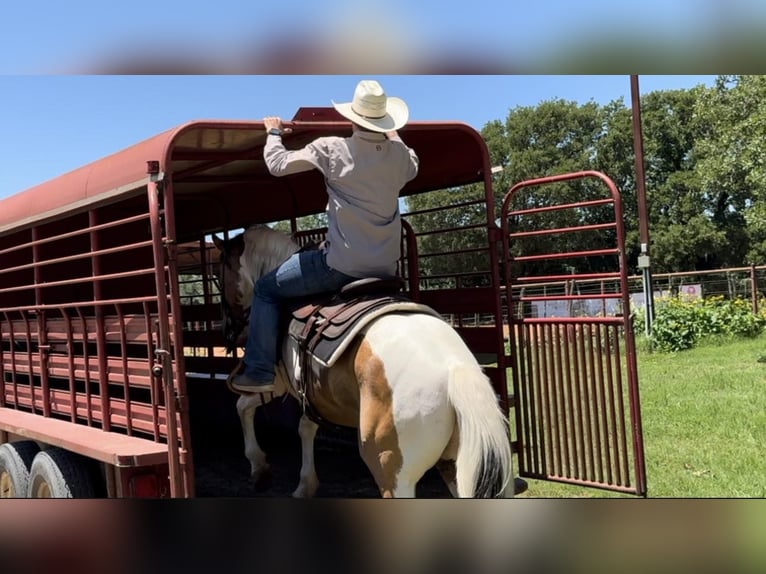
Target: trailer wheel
{"type": "Point", "coordinates": [58, 473]}
{"type": "Point", "coordinates": [15, 460]}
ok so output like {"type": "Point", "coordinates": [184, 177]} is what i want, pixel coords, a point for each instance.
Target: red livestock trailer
{"type": "Point", "coordinates": [110, 319]}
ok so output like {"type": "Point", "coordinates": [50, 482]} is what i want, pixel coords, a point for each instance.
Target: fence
{"type": "Point", "coordinates": [731, 283]}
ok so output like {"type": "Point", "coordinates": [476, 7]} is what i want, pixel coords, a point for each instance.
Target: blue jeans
{"type": "Point", "coordinates": [304, 273]}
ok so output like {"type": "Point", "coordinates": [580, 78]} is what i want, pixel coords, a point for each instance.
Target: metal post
{"type": "Point", "coordinates": [754, 289]}
{"type": "Point", "coordinates": [643, 214]}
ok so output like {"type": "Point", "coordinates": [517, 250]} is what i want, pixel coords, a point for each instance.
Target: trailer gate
{"type": "Point", "coordinates": [571, 340]}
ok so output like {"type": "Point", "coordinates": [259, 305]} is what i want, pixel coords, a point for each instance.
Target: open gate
{"type": "Point", "coordinates": [572, 349]}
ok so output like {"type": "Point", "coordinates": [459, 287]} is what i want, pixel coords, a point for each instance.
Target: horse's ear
{"type": "Point", "coordinates": [219, 243]}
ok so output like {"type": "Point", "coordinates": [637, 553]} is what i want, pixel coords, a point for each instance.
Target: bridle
{"type": "Point", "coordinates": [232, 321]}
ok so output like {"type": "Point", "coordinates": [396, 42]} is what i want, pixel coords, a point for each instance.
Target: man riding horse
{"type": "Point", "coordinates": [364, 174]}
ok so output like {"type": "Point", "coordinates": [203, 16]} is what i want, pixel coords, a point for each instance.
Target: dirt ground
{"type": "Point", "coordinates": [221, 469]}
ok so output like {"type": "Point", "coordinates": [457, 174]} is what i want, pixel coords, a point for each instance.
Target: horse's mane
{"type": "Point", "coordinates": [264, 250]}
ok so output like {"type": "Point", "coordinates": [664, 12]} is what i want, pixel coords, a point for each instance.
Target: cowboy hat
{"type": "Point", "coordinates": [373, 110]}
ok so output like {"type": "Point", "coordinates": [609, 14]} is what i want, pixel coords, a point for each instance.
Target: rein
{"type": "Point", "coordinates": [232, 324]}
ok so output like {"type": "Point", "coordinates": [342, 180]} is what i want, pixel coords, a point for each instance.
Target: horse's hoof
{"type": "Point", "coordinates": [304, 491]}
{"type": "Point", "coordinates": [519, 485]}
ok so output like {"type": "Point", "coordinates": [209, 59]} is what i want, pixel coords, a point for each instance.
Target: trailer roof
{"type": "Point", "coordinates": [216, 168]}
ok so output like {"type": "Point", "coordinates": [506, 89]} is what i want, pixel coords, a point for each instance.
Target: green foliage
{"type": "Point", "coordinates": [681, 323]}
{"type": "Point", "coordinates": [731, 165]}
{"type": "Point", "coordinates": [191, 289]}
{"type": "Point", "coordinates": [705, 172]}
{"type": "Point", "coordinates": [315, 221]}
{"type": "Point", "coordinates": [447, 230]}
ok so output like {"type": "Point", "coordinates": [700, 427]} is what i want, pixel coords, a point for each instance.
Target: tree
{"type": "Point", "coordinates": [731, 166]}
{"type": "Point", "coordinates": [451, 224]}
{"type": "Point", "coordinates": [556, 137]}
{"type": "Point", "coordinates": [684, 233]}
{"type": "Point", "coordinates": [705, 179]}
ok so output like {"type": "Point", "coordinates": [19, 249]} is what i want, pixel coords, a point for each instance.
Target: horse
{"type": "Point", "coordinates": [407, 382]}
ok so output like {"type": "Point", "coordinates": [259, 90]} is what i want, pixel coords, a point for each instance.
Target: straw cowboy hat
{"type": "Point", "coordinates": [373, 110]}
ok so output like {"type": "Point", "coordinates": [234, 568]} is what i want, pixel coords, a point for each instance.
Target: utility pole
{"type": "Point", "coordinates": [643, 212]}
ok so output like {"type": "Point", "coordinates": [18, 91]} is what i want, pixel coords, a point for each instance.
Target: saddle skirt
{"type": "Point", "coordinates": [319, 333]}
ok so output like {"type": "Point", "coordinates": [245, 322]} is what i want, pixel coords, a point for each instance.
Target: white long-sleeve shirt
{"type": "Point", "coordinates": [364, 174]}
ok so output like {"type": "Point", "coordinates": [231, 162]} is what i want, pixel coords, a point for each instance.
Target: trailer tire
{"type": "Point", "coordinates": [15, 462]}
{"type": "Point", "coordinates": [58, 473]}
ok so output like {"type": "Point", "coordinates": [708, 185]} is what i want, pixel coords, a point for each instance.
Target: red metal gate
{"type": "Point", "coordinates": [572, 348]}
{"type": "Point", "coordinates": [89, 353]}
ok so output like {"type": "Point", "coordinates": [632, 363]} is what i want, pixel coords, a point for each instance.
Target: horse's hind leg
{"type": "Point", "coordinates": [448, 473]}
{"type": "Point", "coordinates": [309, 483]}
{"type": "Point", "coordinates": [246, 405]}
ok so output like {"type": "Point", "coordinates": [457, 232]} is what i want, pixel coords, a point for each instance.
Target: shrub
{"type": "Point", "coordinates": [680, 323]}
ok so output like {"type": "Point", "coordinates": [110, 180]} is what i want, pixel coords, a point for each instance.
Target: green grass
{"type": "Point", "coordinates": [704, 421]}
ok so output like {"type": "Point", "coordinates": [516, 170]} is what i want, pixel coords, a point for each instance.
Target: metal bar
{"type": "Point", "coordinates": [77, 256]}
{"type": "Point", "coordinates": [445, 230]}
{"type": "Point", "coordinates": [206, 295]}
{"type": "Point", "coordinates": [42, 349]}
{"type": "Point", "coordinates": [525, 399]}
{"type": "Point", "coordinates": [154, 390]}
{"type": "Point", "coordinates": [602, 355]}
{"type": "Point", "coordinates": [555, 381]}
{"type": "Point", "coordinates": [572, 334]}
{"type": "Point", "coordinates": [75, 233]}
{"type": "Point", "coordinates": [162, 353]}
{"type": "Point", "coordinates": [86, 359]}
{"type": "Point", "coordinates": [122, 275]}
{"type": "Point", "coordinates": [61, 406]}
{"type": "Point", "coordinates": [568, 277]}
{"type": "Point", "coordinates": [451, 206]}
{"type": "Point", "coordinates": [559, 207]}
{"type": "Point", "coordinates": [71, 361]}
{"type": "Point", "coordinates": [564, 432]}
{"type": "Point", "coordinates": [586, 361]}
{"type": "Point", "coordinates": [175, 336]}
{"type": "Point", "coordinates": [103, 382]}
{"type": "Point", "coordinates": [568, 255]}
{"type": "Point", "coordinates": [2, 362]}
{"type": "Point", "coordinates": [28, 336]}
{"type": "Point", "coordinates": [538, 233]}
{"type": "Point", "coordinates": [125, 378]}
{"type": "Point", "coordinates": [541, 423]}
{"type": "Point", "coordinates": [541, 378]}
{"type": "Point", "coordinates": [643, 211]}
{"type": "Point", "coordinates": [573, 320]}
{"type": "Point", "coordinates": [570, 297]}
{"type": "Point", "coordinates": [612, 409]}
{"type": "Point", "coordinates": [596, 440]}
{"type": "Point", "coordinates": [533, 377]}
{"type": "Point", "coordinates": [38, 308]}
{"type": "Point", "coordinates": [621, 407]}
{"type": "Point", "coordinates": [455, 252]}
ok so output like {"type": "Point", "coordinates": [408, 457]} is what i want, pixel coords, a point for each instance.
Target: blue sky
{"type": "Point", "coordinates": [53, 124]}
{"type": "Point", "coordinates": [75, 33]}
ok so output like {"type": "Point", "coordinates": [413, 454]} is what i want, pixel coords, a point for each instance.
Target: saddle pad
{"type": "Point", "coordinates": [335, 338]}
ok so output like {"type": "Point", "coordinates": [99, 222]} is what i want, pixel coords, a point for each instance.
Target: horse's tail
{"type": "Point", "coordinates": [484, 463]}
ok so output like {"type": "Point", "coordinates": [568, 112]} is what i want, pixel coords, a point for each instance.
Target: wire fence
{"type": "Point", "coordinates": [732, 283]}
{"type": "Point", "coordinates": [569, 298]}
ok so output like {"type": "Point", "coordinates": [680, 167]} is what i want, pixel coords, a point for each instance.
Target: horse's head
{"type": "Point", "coordinates": [245, 258]}
{"type": "Point", "coordinates": [234, 313]}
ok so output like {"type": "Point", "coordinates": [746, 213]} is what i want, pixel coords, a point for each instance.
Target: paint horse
{"type": "Point", "coordinates": [405, 379]}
